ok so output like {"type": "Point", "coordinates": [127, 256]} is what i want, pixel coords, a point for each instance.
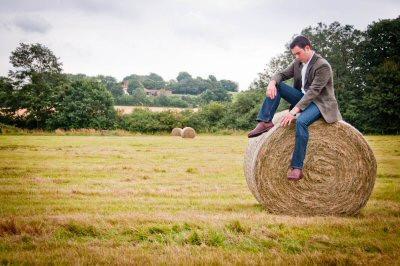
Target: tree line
{"type": "Point", "coordinates": [183, 84]}
{"type": "Point", "coordinates": [366, 67]}
{"type": "Point", "coordinates": [187, 91]}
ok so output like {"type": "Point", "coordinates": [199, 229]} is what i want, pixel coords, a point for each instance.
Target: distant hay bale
{"type": "Point", "coordinates": [89, 130]}
{"type": "Point", "coordinates": [339, 170]}
{"type": "Point", "coordinates": [60, 131]}
{"type": "Point", "coordinates": [176, 132]}
{"type": "Point", "coordinates": [188, 132]}
{"type": "Point", "coordinates": [104, 132]}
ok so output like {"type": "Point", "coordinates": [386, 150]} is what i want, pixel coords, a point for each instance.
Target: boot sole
{"type": "Point", "coordinates": [259, 133]}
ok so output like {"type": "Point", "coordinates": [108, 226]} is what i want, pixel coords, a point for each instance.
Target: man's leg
{"type": "Point", "coordinates": [268, 109]}
{"type": "Point", "coordinates": [306, 118]}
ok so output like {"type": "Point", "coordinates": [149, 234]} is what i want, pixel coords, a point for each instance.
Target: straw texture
{"type": "Point", "coordinates": [188, 132]}
{"type": "Point", "coordinates": [176, 132]}
{"type": "Point", "coordinates": [339, 170]}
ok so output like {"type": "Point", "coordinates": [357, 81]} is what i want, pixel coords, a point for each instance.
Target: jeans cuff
{"type": "Point", "coordinates": [297, 167]}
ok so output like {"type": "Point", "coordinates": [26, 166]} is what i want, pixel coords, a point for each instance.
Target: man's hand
{"type": "Point", "coordinates": [271, 89]}
{"type": "Point", "coordinates": [287, 120]}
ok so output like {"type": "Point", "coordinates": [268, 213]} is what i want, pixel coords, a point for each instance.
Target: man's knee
{"type": "Point", "coordinates": [301, 122]}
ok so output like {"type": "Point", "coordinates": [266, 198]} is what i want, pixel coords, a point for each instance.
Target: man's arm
{"type": "Point", "coordinates": [284, 74]}
{"type": "Point", "coordinates": [277, 78]}
{"type": "Point", "coordinates": [322, 76]}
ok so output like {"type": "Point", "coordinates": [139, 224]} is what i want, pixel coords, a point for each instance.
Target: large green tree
{"type": "Point", "coordinates": [39, 97]}
{"type": "Point", "coordinates": [152, 81]}
{"type": "Point", "coordinates": [111, 84]}
{"type": "Point", "coordinates": [378, 58]}
{"type": "Point", "coordinates": [183, 76]}
{"type": "Point", "coordinates": [83, 104]}
{"type": "Point", "coordinates": [229, 85]}
{"type": "Point", "coordinates": [7, 98]}
{"type": "Point", "coordinates": [36, 78]}
{"type": "Point", "coordinates": [8, 101]}
{"type": "Point", "coordinates": [140, 97]}
{"type": "Point", "coordinates": [215, 93]}
{"type": "Point", "coordinates": [30, 59]}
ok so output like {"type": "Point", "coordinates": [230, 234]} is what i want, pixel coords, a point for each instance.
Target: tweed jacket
{"type": "Point", "coordinates": [318, 86]}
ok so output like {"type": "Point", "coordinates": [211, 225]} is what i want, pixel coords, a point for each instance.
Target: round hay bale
{"type": "Point", "coordinates": [188, 132]}
{"type": "Point", "coordinates": [60, 131]}
{"type": "Point", "coordinates": [339, 170]}
{"type": "Point", "coordinates": [176, 132]}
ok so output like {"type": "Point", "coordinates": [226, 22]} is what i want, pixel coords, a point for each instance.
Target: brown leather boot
{"type": "Point", "coordinates": [295, 174]}
{"type": "Point", "coordinates": [261, 127]}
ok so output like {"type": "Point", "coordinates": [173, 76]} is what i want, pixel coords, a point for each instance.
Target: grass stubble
{"type": "Point", "coordinates": [166, 200]}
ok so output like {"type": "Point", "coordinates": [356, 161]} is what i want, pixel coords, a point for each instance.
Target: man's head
{"type": "Point", "coordinates": [301, 48]}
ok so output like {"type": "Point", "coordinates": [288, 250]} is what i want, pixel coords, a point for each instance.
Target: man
{"type": "Point", "coordinates": [313, 96]}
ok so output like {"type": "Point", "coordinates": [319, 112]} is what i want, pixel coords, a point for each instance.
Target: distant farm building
{"type": "Point", "coordinates": [164, 92]}
{"type": "Point", "coordinates": [125, 87]}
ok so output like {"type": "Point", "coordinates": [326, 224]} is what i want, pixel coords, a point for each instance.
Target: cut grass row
{"type": "Point", "coordinates": [159, 199]}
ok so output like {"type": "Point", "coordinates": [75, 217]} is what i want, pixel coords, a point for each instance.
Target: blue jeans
{"type": "Point", "coordinates": [306, 118]}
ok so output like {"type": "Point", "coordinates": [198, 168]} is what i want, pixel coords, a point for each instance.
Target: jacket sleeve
{"type": "Point", "coordinates": [321, 78]}
{"type": "Point", "coordinates": [284, 74]}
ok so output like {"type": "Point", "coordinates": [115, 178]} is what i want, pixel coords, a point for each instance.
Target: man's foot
{"type": "Point", "coordinates": [261, 127]}
{"type": "Point", "coordinates": [295, 174]}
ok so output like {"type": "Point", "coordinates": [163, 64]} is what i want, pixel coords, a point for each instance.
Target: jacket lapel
{"type": "Point", "coordinates": [300, 66]}
{"type": "Point", "coordinates": [310, 65]}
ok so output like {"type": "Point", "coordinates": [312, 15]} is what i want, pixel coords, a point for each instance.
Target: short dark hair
{"type": "Point", "coordinates": [300, 41]}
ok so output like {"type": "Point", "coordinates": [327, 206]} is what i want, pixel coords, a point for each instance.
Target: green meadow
{"type": "Point", "coordinates": [168, 200]}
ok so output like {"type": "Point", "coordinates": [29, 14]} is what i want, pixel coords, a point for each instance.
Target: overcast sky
{"type": "Point", "coordinates": [231, 39]}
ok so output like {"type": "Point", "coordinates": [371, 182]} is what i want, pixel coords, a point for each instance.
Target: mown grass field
{"type": "Point", "coordinates": [166, 200]}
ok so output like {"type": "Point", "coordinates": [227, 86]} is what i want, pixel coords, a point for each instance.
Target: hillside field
{"type": "Point", "coordinates": [126, 110]}
{"type": "Point", "coordinates": [167, 200]}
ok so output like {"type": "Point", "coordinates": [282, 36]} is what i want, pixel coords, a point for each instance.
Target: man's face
{"type": "Point", "coordinates": [302, 54]}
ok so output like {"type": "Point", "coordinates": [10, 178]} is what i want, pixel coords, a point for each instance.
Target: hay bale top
{"type": "Point", "coordinates": [176, 132]}
{"type": "Point", "coordinates": [188, 132]}
{"type": "Point", "coordinates": [339, 170]}
{"type": "Point", "coordinates": [60, 131]}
